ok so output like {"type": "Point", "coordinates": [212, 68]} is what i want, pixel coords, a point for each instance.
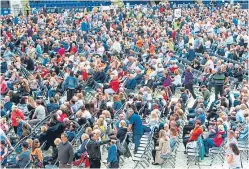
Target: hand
{"type": "Point", "coordinates": [12, 148]}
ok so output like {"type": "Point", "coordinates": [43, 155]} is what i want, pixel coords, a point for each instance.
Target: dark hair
{"type": "Point", "coordinates": [234, 148]}
{"type": "Point", "coordinates": [198, 122]}
{"type": "Point", "coordinates": [25, 145]}
{"type": "Point", "coordinates": [51, 100]}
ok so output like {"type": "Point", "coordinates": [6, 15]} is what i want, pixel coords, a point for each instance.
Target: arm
{"type": "Point", "coordinates": [160, 146]}
{"type": "Point", "coordinates": [71, 155]}
{"type": "Point", "coordinates": [229, 158]}
{"type": "Point", "coordinates": [39, 154]}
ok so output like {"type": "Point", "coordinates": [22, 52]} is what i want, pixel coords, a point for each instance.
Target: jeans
{"type": "Point", "coordinates": [208, 143]}
{"type": "Point", "coordinates": [136, 140]}
{"type": "Point", "coordinates": [218, 89]}
{"type": "Point", "coordinates": [70, 94]}
{"type": "Point", "coordinates": [51, 93]}
{"type": "Point", "coordinates": [191, 89]}
{"type": "Point", "coordinates": [94, 163]}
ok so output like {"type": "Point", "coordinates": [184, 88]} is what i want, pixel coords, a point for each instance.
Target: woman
{"type": "Point", "coordinates": [116, 103]}
{"type": "Point", "coordinates": [122, 130]}
{"type": "Point", "coordinates": [15, 113]}
{"type": "Point", "coordinates": [4, 153]}
{"type": "Point", "coordinates": [102, 128]}
{"type": "Point", "coordinates": [214, 142]}
{"type": "Point", "coordinates": [36, 154]}
{"type": "Point", "coordinates": [233, 157]}
{"type": "Point", "coordinates": [163, 148]}
{"type": "Point", "coordinates": [177, 81]}
{"type": "Point", "coordinates": [154, 119]}
{"type": "Point", "coordinates": [173, 137]}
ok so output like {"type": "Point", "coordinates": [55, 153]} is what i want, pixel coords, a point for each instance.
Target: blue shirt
{"type": "Point", "coordinates": [202, 118]}
{"type": "Point", "coordinates": [137, 125]}
{"type": "Point", "coordinates": [112, 154]}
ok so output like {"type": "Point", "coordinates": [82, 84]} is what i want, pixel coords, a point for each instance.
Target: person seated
{"type": "Point", "coordinates": [99, 76]}
{"type": "Point", "coordinates": [194, 134]}
{"type": "Point", "coordinates": [82, 148]}
{"type": "Point", "coordinates": [162, 149]}
{"type": "Point", "coordinates": [23, 128]}
{"type": "Point", "coordinates": [52, 106]}
{"type": "Point", "coordinates": [214, 142]}
{"type": "Point", "coordinates": [3, 124]}
{"type": "Point", "coordinates": [153, 120]}
{"type": "Point", "coordinates": [23, 159]}
{"type": "Point", "coordinates": [173, 137]}
{"type": "Point", "coordinates": [71, 134]}
{"type": "Point", "coordinates": [131, 83]}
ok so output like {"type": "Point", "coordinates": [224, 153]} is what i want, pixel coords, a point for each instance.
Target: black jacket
{"type": "Point", "coordinates": [99, 77]}
{"type": "Point", "coordinates": [121, 134]}
{"type": "Point", "coordinates": [93, 149]}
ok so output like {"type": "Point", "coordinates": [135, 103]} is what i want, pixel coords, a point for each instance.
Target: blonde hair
{"type": "Point", "coordinates": [32, 102]}
{"type": "Point", "coordinates": [154, 115]}
{"type": "Point", "coordinates": [57, 141]}
{"type": "Point", "coordinates": [122, 123]}
{"type": "Point", "coordinates": [3, 120]}
{"type": "Point", "coordinates": [43, 129]}
{"type": "Point", "coordinates": [88, 130]}
{"type": "Point", "coordinates": [100, 122]}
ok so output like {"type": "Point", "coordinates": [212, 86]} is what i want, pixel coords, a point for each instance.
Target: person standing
{"type": "Point", "coordinates": [219, 79]}
{"type": "Point", "coordinates": [189, 81]}
{"type": "Point", "coordinates": [71, 83]}
{"type": "Point", "coordinates": [136, 126]}
{"type": "Point", "coordinates": [65, 152]}
{"type": "Point", "coordinates": [233, 156]}
{"type": "Point", "coordinates": [93, 150]}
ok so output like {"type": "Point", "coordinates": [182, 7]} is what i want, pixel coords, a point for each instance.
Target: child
{"type": "Point", "coordinates": [112, 158]}
{"type": "Point", "coordinates": [71, 132]}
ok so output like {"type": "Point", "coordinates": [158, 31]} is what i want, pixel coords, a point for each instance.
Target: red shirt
{"type": "Point", "coordinates": [61, 51]}
{"type": "Point", "coordinates": [62, 117]}
{"type": "Point", "coordinates": [84, 75]}
{"type": "Point", "coordinates": [114, 84]}
{"type": "Point", "coordinates": [14, 115]}
{"type": "Point", "coordinates": [218, 141]}
{"type": "Point", "coordinates": [73, 50]}
{"type": "Point", "coordinates": [197, 131]}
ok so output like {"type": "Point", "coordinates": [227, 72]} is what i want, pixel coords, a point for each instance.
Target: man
{"type": "Point", "coordinates": [99, 76]}
{"type": "Point", "coordinates": [52, 106]}
{"type": "Point", "coordinates": [136, 126]}
{"type": "Point", "coordinates": [93, 150]}
{"type": "Point", "coordinates": [65, 152]}
{"type": "Point", "coordinates": [39, 114]}
{"type": "Point", "coordinates": [23, 128]}
{"type": "Point", "coordinates": [71, 83]}
{"type": "Point", "coordinates": [147, 81]}
{"type": "Point", "coordinates": [219, 81]}
{"type": "Point", "coordinates": [23, 159]}
{"type": "Point", "coordinates": [206, 94]}
{"type": "Point", "coordinates": [130, 84]}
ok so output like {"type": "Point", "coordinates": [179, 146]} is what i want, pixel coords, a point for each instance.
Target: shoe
{"type": "Point", "coordinates": [185, 152]}
{"type": "Point", "coordinates": [206, 155]}
{"type": "Point", "coordinates": [155, 163]}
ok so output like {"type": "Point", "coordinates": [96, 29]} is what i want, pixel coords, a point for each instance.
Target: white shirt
{"type": "Point", "coordinates": [197, 27]}
{"type": "Point", "coordinates": [86, 114]}
{"type": "Point", "coordinates": [210, 64]}
{"type": "Point", "coordinates": [177, 80]}
{"type": "Point", "coordinates": [116, 46]}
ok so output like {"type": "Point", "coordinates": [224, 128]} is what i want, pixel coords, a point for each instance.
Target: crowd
{"type": "Point", "coordinates": [102, 79]}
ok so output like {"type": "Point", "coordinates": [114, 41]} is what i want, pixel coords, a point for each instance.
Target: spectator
{"type": "Point", "coordinates": [163, 149]}
{"type": "Point", "coordinates": [23, 159]}
{"type": "Point", "coordinates": [189, 81]}
{"type": "Point", "coordinates": [36, 154]}
{"type": "Point", "coordinates": [4, 152]}
{"type": "Point", "coordinates": [15, 113]}
{"type": "Point", "coordinates": [39, 113]}
{"type": "Point", "coordinates": [23, 128]}
{"type": "Point", "coordinates": [65, 152]}
{"type": "Point", "coordinates": [71, 83]}
{"type": "Point", "coordinates": [93, 150]}
{"type": "Point", "coordinates": [219, 80]}
{"type": "Point", "coordinates": [233, 156]}
{"type": "Point", "coordinates": [112, 159]}
{"type": "Point", "coordinates": [136, 126]}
